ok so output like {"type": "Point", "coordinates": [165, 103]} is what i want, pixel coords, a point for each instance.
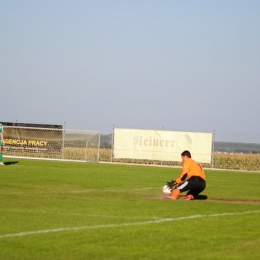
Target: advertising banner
{"type": "Point", "coordinates": [34, 137]}
{"type": "Point", "coordinates": [161, 145]}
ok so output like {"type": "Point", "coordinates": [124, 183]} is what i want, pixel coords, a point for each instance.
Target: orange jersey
{"type": "Point", "coordinates": [191, 168]}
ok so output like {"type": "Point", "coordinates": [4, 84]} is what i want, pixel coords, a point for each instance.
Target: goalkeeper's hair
{"type": "Point", "coordinates": [186, 153]}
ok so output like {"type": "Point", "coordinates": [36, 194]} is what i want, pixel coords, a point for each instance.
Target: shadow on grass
{"type": "Point", "coordinates": [10, 163]}
{"type": "Point", "coordinates": [201, 197]}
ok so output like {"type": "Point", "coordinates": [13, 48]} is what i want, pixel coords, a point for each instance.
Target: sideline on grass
{"type": "Point", "coordinates": [161, 220]}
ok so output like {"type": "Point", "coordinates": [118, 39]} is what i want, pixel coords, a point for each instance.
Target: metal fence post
{"type": "Point", "coordinates": [98, 154]}
{"type": "Point", "coordinates": [112, 143]}
{"type": "Point", "coordinates": [63, 140]}
{"type": "Point", "coordinates": [161, 159]}
{"type": "Point", "coordinates": [213, 148]}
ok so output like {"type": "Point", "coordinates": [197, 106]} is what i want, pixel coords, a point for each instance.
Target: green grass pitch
{"type": "Point", "coordinates": [63, 210]}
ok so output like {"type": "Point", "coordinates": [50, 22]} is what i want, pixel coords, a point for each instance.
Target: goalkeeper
{"type": "Point", "coordinates": [192, 179]}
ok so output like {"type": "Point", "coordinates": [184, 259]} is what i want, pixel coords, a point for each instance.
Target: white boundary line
{"type": "Point", "coordinates": [161, 220]}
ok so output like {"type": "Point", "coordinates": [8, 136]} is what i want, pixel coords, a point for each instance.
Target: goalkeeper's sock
{"type": "Point", "coordinates": [1, 157]}
{"type": "Point", "coordinates": [176, 193]}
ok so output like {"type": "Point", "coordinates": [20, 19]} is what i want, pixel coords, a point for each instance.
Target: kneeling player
{"type": "Point", "coordinates": [192, 179]}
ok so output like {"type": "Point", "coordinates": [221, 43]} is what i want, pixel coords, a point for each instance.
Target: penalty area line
{"type": "Point", "coordinates": [156, 221]}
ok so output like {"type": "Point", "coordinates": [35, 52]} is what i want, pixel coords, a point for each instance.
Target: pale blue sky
{"type": "Point", "coordinates": [182, 65]}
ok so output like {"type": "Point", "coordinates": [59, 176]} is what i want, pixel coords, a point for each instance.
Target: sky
{"type": "Point", "coordinates": [177, 65]}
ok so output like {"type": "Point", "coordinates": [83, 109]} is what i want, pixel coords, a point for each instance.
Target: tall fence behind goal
{"type": "Point", "coordinates": [50, 143]}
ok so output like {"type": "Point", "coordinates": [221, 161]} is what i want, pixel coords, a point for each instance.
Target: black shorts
{"type": "Point", "coordinates": [194, 185]}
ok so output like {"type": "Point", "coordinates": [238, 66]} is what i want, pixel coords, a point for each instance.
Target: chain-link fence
{"type": "Point", "coordinates": [91, 146]}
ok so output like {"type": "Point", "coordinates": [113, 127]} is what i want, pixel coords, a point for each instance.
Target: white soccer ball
{"type": "Point", "coordinates": [166, 190]}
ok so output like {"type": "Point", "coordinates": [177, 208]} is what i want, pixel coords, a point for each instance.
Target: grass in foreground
{"type": "Point", "coordinates": [60, 210]}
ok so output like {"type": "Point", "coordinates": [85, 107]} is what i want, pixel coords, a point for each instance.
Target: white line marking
{"type": "Point", "coordinates": [162, 220]}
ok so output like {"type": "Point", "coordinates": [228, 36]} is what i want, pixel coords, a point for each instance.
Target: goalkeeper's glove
{"type": "Point", "coordinates": [170, 184]}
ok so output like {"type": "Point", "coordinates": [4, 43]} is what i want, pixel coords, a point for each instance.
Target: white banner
{"type": "Point", "coordinates": [161, 145]}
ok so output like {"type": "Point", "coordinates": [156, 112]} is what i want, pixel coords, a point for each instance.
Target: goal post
{"type": "Point", "coordinates": [51, 143]}
{"type": "Point", "coordinates": [81, 145]}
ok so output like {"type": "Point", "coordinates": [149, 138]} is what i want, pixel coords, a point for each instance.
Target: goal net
{"type": "Point", "coordinates": [51, 143]}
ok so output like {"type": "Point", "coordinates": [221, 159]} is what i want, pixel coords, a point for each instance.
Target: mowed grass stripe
{"type": "Point", "coordinates": [157, 221]}
{"type": "Point", "coordinates": [76, 191]}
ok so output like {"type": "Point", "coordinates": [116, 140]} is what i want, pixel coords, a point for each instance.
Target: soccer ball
{"type": "Point", "coordinates": [167, 190]}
